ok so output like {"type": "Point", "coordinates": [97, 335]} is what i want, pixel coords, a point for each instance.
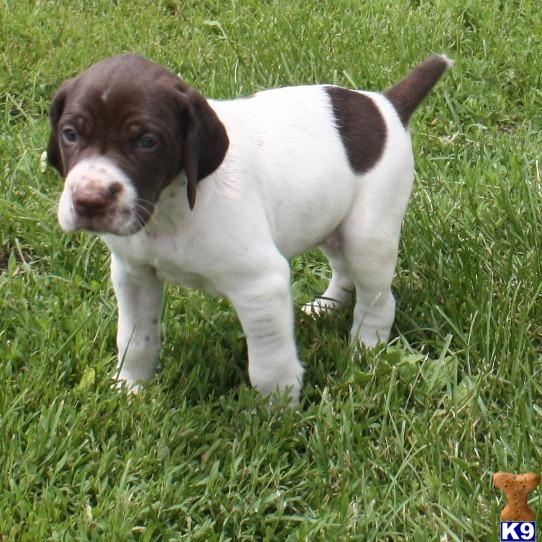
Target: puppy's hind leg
{"type": "Point", "coordinates": [370, 245]}
{"type": "Point", "coordinates": [339, 290]}
{"type": "Point", "coordinates": [371, 262]}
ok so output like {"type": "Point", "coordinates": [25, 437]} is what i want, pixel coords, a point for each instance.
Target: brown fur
{"type": "Point", "coordinates": [408, 93]}
{"type": "Point", "coordinates": [361, 127]}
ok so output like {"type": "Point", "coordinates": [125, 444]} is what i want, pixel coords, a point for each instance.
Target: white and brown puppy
{"type": "Point", "coordinates": [275, 174]}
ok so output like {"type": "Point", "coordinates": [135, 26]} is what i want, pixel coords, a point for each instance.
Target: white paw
{"type": "Point", "coordinates": [321, 305]}
{"type": "Point", "coordinates": [131, 385]}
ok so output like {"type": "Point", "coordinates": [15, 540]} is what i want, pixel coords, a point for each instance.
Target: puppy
{"type": "Point", "coordinates": [274, 174]}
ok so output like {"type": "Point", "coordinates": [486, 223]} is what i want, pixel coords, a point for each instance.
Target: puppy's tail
{"type": "Point", "coordinates": [408, 93]}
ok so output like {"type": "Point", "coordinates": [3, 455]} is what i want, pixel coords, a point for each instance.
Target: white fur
{"type": "Point", "coordinates": [285, 186]}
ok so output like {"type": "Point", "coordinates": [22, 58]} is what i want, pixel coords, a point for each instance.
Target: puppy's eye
{"type": "Point", "coordinates": [148, 142]}
{"type": "Point", "coordinates": [69, 135]}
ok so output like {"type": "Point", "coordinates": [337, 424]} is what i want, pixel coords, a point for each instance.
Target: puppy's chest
{"type": "Point", "coordinates": [172, 257]}
{"type": "Point", "coordinates": [168, 271]}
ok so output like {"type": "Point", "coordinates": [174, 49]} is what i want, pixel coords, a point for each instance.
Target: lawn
{"type": "Point", "coordinates": [398, 443]}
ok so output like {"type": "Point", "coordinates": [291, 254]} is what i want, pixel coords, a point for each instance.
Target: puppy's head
{"type": "Point", "coordinates": [120, 133]}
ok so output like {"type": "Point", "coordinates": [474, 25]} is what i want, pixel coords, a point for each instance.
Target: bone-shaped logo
{"type": "Point", "coordinates": [516, 487]}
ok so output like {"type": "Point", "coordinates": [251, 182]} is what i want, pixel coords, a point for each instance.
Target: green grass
{"type": "Point", "coordinates": [394, 444]}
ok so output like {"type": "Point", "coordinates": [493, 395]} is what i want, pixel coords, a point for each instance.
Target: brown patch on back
{"type": "Point", "coordinates": [360, 125]}
{"type": "Point", "coordinates": [408, 93]}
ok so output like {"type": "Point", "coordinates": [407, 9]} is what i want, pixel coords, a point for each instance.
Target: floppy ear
{"type": "Point", "coordinates": [205, 141]}
{"type": "Point", "coordinates": [54, 156]}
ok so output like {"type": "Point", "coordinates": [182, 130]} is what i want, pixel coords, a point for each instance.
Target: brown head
{"type": "Point", "coordinates": [120, 133]}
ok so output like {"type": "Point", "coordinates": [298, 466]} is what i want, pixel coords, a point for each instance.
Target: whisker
{"type": "Point", "coordinates": [141, 213]}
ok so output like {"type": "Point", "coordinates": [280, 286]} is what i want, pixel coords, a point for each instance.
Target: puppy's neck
{"type": "Point", "coordinates": [172, 205]}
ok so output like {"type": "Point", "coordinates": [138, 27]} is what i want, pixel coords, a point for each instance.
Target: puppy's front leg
{"type": "Point", "coordinates": [139, 299]}
{"type": "Point", "coordinates": [264, 306]}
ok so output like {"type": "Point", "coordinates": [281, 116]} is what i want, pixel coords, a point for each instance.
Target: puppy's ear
{"type": "Point", "coordinates": [54, 156]}
{"type": "Point", "coordinates": [205, 139]}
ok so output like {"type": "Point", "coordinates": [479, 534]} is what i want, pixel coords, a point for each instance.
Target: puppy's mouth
{"type": "Point", "coordinates": [120, 221]}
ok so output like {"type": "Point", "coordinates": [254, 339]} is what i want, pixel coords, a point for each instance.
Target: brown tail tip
{"type": "Point", "coordinates": [408, 93]}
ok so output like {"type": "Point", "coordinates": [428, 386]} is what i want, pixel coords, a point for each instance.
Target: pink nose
{"type": "Point", "coordinates": [95, 201]}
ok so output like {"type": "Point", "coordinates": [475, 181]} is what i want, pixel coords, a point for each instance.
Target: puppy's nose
{"type": "Point", "coordinates": [91, 201]}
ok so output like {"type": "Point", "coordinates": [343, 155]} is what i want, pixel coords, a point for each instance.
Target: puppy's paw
{"type": "Point", "coordinates": [321, 305]}
{"type": "Point", "coordinates": [281, 399]}
{"type": "Point", "coordinates": [127, 383]}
